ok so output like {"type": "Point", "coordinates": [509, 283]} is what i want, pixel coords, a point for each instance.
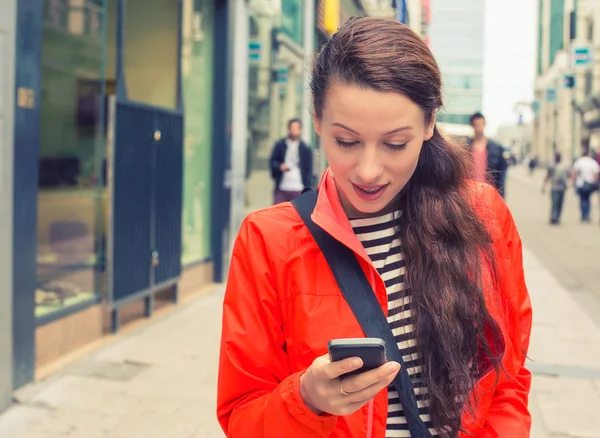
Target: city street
{"type": "Point", "coordinates": [160, 380]}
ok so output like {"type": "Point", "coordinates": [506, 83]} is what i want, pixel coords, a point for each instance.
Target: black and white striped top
{"type": "Point", "coordinates": [385, 251]}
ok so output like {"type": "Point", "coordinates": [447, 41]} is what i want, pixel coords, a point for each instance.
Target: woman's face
{"type": "Point", "coordinates": [372, 141]}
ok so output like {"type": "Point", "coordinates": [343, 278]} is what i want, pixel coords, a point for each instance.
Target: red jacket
{"type": "Point", "coordinates": [282, 305]}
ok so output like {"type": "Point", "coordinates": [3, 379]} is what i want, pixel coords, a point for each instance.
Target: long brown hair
{"type": "Point", "coordinates": [447, 247]}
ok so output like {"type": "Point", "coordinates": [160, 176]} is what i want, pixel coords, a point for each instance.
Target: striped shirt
{"type": "Point", "coordinates": [377, 235]}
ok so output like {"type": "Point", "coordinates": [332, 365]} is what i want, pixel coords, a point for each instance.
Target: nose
{"type": "Point", "coordinates": [369, 167]}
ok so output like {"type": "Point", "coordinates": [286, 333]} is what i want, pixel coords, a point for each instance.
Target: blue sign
{"type": "Point", "coordinates": [581, 56]}
{"type": "Point", "coordinates": [254, 50]}
{"type": "Point", "coordinates": [281, 75]}
{"type": "Point", "coordinates": [569, 81]}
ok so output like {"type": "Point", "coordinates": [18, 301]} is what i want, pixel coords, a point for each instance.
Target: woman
{"type": "Point", "coordinates": [441, 253]}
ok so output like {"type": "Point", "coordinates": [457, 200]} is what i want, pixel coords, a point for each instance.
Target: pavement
{"type": "Point", "coordinates": [571, 251]}
{"type": "Point", "coordinates": [160, 380]}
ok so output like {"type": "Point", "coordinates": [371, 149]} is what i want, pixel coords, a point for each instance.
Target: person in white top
{"type": "Point", "coordinates": [586, 175]}
{"type": "Point", "coordinates": [291, 164]}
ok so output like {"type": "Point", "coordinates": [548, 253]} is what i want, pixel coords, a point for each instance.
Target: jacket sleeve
{"type": "Point", "coordinates": [258, 394]}
{"type": "Point", "coordinates": [509, 414]}
{"type": "Point", "coordinates": [311, 177]}
{"type": "Point", "coordinates": [277, 159]}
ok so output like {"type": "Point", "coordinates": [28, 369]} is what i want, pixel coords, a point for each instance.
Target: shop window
{"type": "Point", "coordinates": [70, 198]}
{"type": "Point", "coordinates": [197, 56]}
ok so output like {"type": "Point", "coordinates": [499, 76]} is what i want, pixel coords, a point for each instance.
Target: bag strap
{"type": "Point", "coordinates": [362, 300]}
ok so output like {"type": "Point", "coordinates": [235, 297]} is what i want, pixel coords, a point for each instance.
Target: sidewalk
{"type": "Point", "coordinates": [157, 382]}
{"type": "Point", "coordinates": [564, 358]}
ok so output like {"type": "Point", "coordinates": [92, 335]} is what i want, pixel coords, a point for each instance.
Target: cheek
{"type": "Point", "coordinates": [404, 165]}
{"type": "Point", "coordinates": [339, 160]}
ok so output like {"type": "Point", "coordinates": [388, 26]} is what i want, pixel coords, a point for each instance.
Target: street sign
{"type": "Point", "coordinates": [551, 95]}
{"type": "Point", "coordinates": [254, 51]}
{"type": "Point", "coordinates": [281, 75]}
{"type": "Point", "coordinates": [581, 55]}
{"type": "Point", "coordinates": [569, 81]}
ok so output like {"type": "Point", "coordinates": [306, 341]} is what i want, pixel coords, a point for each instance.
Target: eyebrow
{"type": "Point", "coordinates": [393, 131]}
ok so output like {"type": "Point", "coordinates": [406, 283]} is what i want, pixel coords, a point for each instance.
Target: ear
{"type": "Point", "coordinates": [430, 128]}
{"type": "Point", "coordinates": [317, 124]}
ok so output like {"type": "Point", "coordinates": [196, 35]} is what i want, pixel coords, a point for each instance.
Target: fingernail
{"type": "Point", "coordinates": [393, 367]}
{"type": "Point", "coordinates": [355, 363]}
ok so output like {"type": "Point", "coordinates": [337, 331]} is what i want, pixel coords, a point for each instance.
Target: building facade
{"type": "Point", "coordinates": [114, 150]}
{"type": "Point", "coordinates": [568, 79]}
{"type": "Point", "coordinates": [456, 34]}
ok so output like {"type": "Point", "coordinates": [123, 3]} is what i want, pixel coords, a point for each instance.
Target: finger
{"type": "Point", "coordinates": [369, 378]}
{"type": "Point", "coordinates": [333, 370]}
{"type": "Point", "coordinates": [368, 393]}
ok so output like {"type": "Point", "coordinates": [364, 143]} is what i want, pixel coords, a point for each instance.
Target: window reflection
{"type": "Point", "coordinates": [70, 199]}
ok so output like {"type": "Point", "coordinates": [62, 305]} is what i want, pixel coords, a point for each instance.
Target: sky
{"type": "Point", "coordinates": [510, 58]}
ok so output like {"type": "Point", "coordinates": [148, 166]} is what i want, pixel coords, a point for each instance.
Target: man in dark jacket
{"type": "Point", "coordinates": [489, 164]}
{"type": "Point", "coordinates": [291, 164]}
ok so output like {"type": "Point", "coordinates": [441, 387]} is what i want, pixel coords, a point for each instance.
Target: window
{"type": "Point", "coordinates": [557, 24]}
{"type": "Point", "coordinates": [197, 88]}
{"type": "Point", "coordinates": [70, 197]}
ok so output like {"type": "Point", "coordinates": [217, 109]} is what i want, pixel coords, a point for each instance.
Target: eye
{"type": "Point", "coordinates": [396, 147]}
{"type": "Point", "coordinates": [346, 144]}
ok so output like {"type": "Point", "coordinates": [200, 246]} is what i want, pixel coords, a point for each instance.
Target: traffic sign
{"type": "Point", "coordinates": [569, 81]}
{"type": "Point", "coordinates": [581, 55]}
{"type": "Point", "coordinates": [281, 75]}
{"type": "Point", "coordinates": [254, 51]}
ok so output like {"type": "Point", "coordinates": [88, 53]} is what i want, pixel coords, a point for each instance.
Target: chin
{"type": "Point", "coordinates": [370, 208]}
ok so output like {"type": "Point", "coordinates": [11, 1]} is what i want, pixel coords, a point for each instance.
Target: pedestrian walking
{"type": "Point", "coordinates": [586, 175]}
{"type": "Point", "coordinates": [399, 244]}
{"type": "Point", "coordinates": [291, 164]}
{"type": "Point", "coordinates": [558, 176]}
{"type": "Point", "coordinates": [532, 164]}
{"type": "Point", "coordinates": [489, 164]}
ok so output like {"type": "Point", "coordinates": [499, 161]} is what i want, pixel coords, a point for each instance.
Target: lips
{"type": "Point", "coordinates": [370, 193]}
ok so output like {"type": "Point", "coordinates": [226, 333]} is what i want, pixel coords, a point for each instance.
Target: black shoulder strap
{"type": "Point", "coordinates": [362, 300]}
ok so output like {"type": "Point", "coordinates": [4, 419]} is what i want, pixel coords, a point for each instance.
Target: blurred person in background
{"type": "Point", "coordinates": [532, 164]}
{"type": "Point", "coordinates": [291, 164]}
{"type": "Point", "coordinates": [489, 164]}
{"type": "Point", "coordinates": [558, 176]}
{"type": "Point", "coordinates": [439, 252]}
{"type": "Point", "coordinates": [586, 176]}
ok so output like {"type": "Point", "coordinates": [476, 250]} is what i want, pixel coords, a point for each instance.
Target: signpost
{"type": "Point", "coordinates": [581, 56]}
{"type": "Point", "coordinates": [254, 51]}
{"type": "Point", "coordinates": [281, 75]}
{"type": "Point", "coordinates": [569, 81]}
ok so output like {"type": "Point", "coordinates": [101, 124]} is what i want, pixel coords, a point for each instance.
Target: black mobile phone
{"type": "Point", "coordinates": [370, 350]}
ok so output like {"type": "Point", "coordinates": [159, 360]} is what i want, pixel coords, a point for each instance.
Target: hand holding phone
{"type": "Point", "coordinates": [335, 388]}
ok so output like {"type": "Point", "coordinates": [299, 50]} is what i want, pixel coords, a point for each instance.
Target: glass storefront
{"type": "Point", "coordinates": [70, 199]}
{"type": "Point", "coordinates": [197, 63]}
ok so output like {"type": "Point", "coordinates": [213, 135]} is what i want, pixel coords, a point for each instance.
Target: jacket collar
{"type": "Point", "coordinates": [331, 217]}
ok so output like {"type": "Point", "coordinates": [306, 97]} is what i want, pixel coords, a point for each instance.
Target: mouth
{"type": "Point", "coordinates": [370, 193]}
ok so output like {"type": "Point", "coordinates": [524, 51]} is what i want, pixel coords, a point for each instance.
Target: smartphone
{"type": "Point", "coordinates": [370, 350]}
